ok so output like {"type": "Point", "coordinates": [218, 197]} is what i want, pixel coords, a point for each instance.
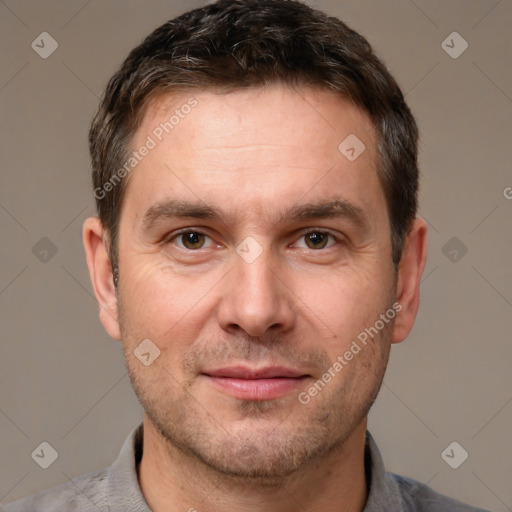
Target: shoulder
{"type": "Point", "coordinates": [390, 492]}
{"type": "Point", "coordinates": [107, 490]}
{"type": "Point", "coordinates": [85, 493]}
{"type": "Point", "coordinates": [418, 497]}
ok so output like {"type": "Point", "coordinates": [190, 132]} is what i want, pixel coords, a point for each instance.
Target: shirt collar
{"type": "Point", "coordinates": [384, 495]}
{"type": "Point", "coordinates": [123, 484]}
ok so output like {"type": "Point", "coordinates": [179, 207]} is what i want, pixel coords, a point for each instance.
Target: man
{"type": "Point", "coordinates": [257, 252]}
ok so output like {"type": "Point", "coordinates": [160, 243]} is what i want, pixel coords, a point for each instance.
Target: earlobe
{"type": "Point", "coordinates": [412, 264]}
{"type": "Point", "coordinates": [100, 271]}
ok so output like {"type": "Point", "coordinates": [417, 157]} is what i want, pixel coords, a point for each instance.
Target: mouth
{"type": "Point", "coordinates": [256, 384]}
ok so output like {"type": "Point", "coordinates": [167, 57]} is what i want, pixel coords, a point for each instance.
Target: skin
{"type": "Point", "coordinates": [255, 155]}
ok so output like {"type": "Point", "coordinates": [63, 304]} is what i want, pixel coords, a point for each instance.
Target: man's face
{"type": "Point", "coordinates": [252, 253]}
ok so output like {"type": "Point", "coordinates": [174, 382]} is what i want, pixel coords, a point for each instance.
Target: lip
{"type": "Point", "coordinates": [256, 383]}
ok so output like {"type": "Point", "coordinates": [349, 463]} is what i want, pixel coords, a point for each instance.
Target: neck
{"type": "Point", "coordinates": [175, 481]}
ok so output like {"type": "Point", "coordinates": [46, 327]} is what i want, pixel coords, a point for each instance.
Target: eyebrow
{"type": "Point", "coordinates": [333, 208]}
{"type": "Point", "coordinates": [176, 208]}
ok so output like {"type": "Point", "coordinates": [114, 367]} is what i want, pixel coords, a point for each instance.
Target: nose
{"type": "Point", "coordinates": [255, 298]}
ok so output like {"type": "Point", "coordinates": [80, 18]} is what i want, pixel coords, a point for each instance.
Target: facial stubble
{"type": "Point", "coordinates": [276, 437]}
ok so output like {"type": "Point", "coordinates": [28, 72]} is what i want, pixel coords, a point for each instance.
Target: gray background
{"type": "Point", "coordinates": [63, 380]}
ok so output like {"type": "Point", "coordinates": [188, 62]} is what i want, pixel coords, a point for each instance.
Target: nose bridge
{"type": "Point", "coordinates": [257, 281]}
{"type": "Point", "coordinates": [255, 300]}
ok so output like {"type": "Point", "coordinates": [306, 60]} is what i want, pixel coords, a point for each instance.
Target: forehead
{"type": "Point", "coordinates": [267, 145]}
{"type": "Point", "coordinates": [254, 115]}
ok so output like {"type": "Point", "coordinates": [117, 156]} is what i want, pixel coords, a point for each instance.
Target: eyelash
{"type": "Point", "coordinates": [169, 239]}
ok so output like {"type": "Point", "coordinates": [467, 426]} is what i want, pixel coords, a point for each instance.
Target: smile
{"type": "Point", "coordinates": [256, 384]}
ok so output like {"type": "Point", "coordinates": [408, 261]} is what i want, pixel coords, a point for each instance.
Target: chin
{"type": "Point", "coordinates": [260, 450]}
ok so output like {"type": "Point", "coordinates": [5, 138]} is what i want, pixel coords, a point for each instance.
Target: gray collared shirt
{"type": "Point", "coordinates": [116, 489]}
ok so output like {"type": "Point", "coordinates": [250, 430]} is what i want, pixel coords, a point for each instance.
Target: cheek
{"type": "Point", "coordinates": [157, 304]}
{"type": "Point", "coordinates": [363, 338]}
{"type": "Point", "coordinates": [346, 300]}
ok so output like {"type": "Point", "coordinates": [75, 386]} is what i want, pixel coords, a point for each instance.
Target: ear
{"type": "Point", "coordinates": [410, 270]}
{"type": "Point", "coordinates": [100, 269]}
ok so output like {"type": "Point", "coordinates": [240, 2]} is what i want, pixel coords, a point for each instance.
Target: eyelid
{"type": "Point", "coordinates": [339, 238]}
{"type": "Point", "coordinates": [303, 232]}
{"type": "Point", "coordinates": [170, 237]}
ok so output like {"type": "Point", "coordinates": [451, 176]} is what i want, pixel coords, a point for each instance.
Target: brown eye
{"type": "Point", "coordinates": [316, 239]}
{"type": "Point", "coordinates": [192, 240]}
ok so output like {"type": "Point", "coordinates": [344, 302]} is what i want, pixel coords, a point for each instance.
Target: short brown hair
{"type": "Point", "coordinates": [236, 44]}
